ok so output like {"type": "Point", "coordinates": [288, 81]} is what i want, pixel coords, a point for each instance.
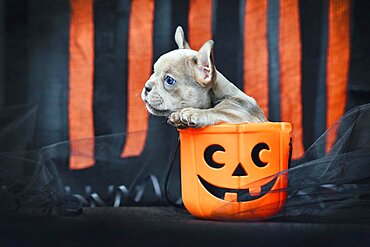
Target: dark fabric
{"type": "Point", "coordinates": [320, 99]}
{"type": "Point", "coordinates": [228, 41]}
{"type": "Point", "coordinates": [314, 27]}
{"type": "Point", "coordinates": [17, 128]}
{"type": "Point", "coordinates": [2, 52]}
{"type": "Point", "coordinates": [273, 54]}
{"type": "Point", "coordinates": [163, 30]}
{"type": "Point", "coordinates": [110, 79]}
{"type": "Point", "coordinates": [323, 187]}
{"type": "Point", "coordinates": [163, 226]}
{"type": "Point", "coordinates": [359, 70]}
{"type": "Point", "coordinates": [16, 52]}
{"type": "Point", "coordinates": [46, 79]}
{"type": "Point", "coordinates": [179, 16]}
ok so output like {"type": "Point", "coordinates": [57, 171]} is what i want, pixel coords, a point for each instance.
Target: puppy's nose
{"type": "Point", "coordinates": [147, 89]}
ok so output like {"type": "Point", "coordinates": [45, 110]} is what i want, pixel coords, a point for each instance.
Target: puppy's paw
{"type": "Point", "coordinates": [175, 120]}
{"type": "Point", "coordinates": [188, 117]}
{"type": "Point", "coordinates": [192, 117]}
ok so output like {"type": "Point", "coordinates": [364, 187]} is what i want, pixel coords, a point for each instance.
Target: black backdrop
{"type": "Point", "coordinates": [34, 58]}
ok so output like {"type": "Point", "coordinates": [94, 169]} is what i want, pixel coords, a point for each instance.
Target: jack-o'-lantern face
{"type": "Point", "coordinates": [230, 171]}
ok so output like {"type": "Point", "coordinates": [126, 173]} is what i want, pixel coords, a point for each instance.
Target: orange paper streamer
{"type": "Point", "coordinates": [200, 23]}
{"type": "Point", "coordinates": [140, 56]}
{"type": "Point", "coordinates": [290, 54]}
{"type": "Point", "coordinates": [256, 52]}
{"type": "Point", "coordinates": [338, 55]}
{"type": "Point", "coordinates": [81, 85]}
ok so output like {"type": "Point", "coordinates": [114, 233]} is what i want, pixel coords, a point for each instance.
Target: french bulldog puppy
{"type": "Point", "coordinates": [186, 88]}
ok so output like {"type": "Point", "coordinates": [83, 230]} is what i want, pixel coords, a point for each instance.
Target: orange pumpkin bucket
{"type": "Point", "coordinates": [234, 171]}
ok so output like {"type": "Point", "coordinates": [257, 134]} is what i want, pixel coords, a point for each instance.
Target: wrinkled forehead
{"type": "Point", "coordinates": [173, 58]}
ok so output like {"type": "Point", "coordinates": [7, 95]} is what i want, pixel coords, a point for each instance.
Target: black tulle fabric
{"type": "Point", "coordinates": [323, 186]}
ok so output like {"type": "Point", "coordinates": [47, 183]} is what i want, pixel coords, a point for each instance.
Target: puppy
{"type": "Point", "coordinates": [186, 88]}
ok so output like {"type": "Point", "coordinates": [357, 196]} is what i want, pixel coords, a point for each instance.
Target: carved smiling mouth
{"type": "Point", "coordinates": [239, 195]}
{"type": "Point", "coordinates": [156, 111]}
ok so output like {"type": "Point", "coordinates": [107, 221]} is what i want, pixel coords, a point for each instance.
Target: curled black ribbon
{"type": "Point", "coordinates": [121, 195]}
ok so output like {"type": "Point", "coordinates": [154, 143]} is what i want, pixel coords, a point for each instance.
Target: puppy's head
{"type": "Point", "coordinates": [182, 78]}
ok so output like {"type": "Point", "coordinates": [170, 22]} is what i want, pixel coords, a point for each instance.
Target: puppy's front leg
{"type": "Point", "coordinates": [229, 110]}
{"type": "Point", "coordinates": [198, 118]}
{"type": "Point", "coordinates": [190, 117]}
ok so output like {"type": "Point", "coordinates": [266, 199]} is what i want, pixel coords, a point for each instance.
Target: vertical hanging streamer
{"type": "Point", "coordinates": [140, 55]}
{"type": "Point", "coordinates": [200, 23]}
{"type": "Point", "coordinates": [290, 71]}
{"type": "Point", "coordinates": [81, 84]}
{"type": "Point", "coordinates": [256, 52]}
{"type": "Point", "coordinates": [338, 55]}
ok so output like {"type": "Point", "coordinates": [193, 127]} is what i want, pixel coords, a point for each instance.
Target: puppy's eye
{"type": "Point", "coordinates": [169, 80]}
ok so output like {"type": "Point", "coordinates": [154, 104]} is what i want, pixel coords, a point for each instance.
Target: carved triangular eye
{"type": "Point", "coordinates": [239, 171]}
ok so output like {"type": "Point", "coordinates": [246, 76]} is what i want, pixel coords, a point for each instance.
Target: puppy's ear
{"type": "Point", "coordinates": [180, 39]}
{"type": "Point", "coordinates": [204, 68]}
